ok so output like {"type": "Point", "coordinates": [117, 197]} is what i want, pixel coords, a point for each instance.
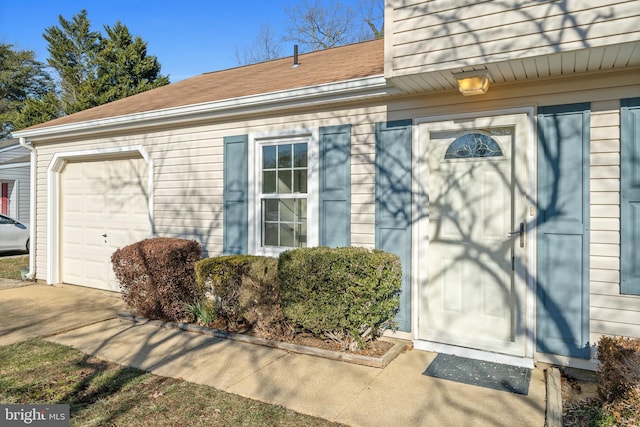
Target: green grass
{"type": "Point", "coordinates": [10, 266]}
{"type": "Point", "coordinates": [103, 393]}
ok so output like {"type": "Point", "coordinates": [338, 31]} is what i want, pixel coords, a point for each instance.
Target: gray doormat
{"type": "Point", "coordinates": [478, 372]}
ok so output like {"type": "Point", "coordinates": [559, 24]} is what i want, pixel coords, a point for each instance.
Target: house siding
{"type": "Point", "coordinates": [481, 32]}
{"type": "Point", "coordinates": [20, 180]}
{"type": "Point", "coordinates": [611, 313]}
{"type": "Point", "coordinates": [18, 175]}
{"type": "Point", "coordinates": [188, 173]}
{"type": "Point", "coordinates": [11, 153]}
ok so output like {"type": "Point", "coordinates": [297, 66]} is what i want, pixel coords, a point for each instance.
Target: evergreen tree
{"type": "Point", "coordinates": [21, 78]}
{"type": "Point", "coordinates": [96, 69]}
{"type": "Point", "coordinates": [38, 110]}
{"type": "Point", "coordinates": [73, 49]}
{"type": "Point", "coordinates": [123, 66]}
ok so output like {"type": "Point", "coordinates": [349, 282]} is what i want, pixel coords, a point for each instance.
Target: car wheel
{"type": "Point", "coordinates": [27, 248]}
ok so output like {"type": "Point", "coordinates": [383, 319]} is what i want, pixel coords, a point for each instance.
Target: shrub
{"type": "Point", "coordinates": [346, 294]}
{"type": "Point", "coordinates": [619, 379]}
{"type": "Point", "coordinates": [619, 367]}
{"type": "Point", "coordinates": [157, 276]}
{"type": "Point", "coordinates": [245, 289]}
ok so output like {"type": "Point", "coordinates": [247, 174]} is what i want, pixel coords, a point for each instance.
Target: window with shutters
{"type": "Point", "coordinates": [283, 176]}
{"type": "Point", "coordinates": [283, 196]}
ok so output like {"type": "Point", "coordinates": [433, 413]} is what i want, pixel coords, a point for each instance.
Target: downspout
{"type": "Point", "coordinates": [32, 209]}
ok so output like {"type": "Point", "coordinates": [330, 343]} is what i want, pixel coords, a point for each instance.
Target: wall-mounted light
{"type": "Point", "coordinates": [473, 82]}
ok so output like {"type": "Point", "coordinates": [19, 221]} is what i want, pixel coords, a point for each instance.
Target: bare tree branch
{"type": "Point", "coordinates": [265, 47]}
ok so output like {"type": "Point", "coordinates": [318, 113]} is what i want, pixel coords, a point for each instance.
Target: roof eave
{"type": "Point", "coordinates": [343, 91]}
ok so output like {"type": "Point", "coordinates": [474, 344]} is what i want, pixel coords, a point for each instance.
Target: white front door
{"type": "Point", "coordinates": [474, 290]}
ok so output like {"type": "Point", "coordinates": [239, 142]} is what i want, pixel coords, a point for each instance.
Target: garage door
{"type": "Point", "coordinates": [104, 206]}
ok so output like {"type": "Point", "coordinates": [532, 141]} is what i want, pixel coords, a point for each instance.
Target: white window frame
{"type": "Point", "coordinates": [256, 142]}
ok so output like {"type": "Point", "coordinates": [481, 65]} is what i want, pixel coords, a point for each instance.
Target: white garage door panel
{"type": "Point", "coordinates": [104, 207]}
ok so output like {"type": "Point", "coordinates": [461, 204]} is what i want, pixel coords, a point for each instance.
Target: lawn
{"type": "Point", "coordinates": [10, 266]}
{"type": "Point", "coordinates": [103, 393]}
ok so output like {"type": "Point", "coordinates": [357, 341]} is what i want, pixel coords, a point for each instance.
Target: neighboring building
{"type": "Point", "coordinates": [515, 211]}
{"type": "Point", "coordinates": [15, 180]}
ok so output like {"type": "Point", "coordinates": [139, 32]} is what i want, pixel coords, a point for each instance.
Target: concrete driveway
{"type": "Point", "coordinates": [37, 310]}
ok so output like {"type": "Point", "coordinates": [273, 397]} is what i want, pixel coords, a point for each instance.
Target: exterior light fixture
{"type": "Point", "coordinates": [473, 82]}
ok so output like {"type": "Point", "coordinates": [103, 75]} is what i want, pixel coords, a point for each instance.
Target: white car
{"type": "Point", "coordinates": [14, 235]}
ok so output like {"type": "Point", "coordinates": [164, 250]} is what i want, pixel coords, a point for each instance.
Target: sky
{"type": "Point", "coordinates": [189, 37]}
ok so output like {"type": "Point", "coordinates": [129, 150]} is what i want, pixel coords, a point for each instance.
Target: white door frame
{"type": "Point", "coordinates": [56, 166]}
{"type": "Point", "coordinates": [525, 118]}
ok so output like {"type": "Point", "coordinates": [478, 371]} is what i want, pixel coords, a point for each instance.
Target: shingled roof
{"type": "Point", "coordinates": [327, 66]}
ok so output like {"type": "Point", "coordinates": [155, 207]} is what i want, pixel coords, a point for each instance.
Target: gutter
{"type": "Point", "coordinates": [32, 209]}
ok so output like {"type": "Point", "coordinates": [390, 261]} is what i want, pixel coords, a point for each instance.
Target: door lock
{"type": "Point", "coordinates": [104, 235]}
{"type": "Point", "coordinates": [521, 233]}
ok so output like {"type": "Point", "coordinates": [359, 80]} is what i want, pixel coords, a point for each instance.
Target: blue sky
{"type": "Point", "coordinates": [188, 37]}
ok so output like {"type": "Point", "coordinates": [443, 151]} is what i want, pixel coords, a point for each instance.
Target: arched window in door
{"type": "Point", "coordinates": [472, 145]}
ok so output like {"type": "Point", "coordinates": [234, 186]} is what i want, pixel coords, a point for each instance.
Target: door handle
{"type": "Point", "coordinates": [521, 233]}
{"type": "Point", "coordinates": [104, 235]}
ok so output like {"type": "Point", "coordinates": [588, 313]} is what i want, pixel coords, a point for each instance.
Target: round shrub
{"type": "Point", "coordinates": [345, 294]}
{"type": "Point", "coordinates": [245, 290]}
{"type": "Point", "coordinates": [157, 276]}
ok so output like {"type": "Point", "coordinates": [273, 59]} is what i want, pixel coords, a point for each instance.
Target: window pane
{"type": "Point", "coordinates": [269, 182]}
{"type": "Point", "coordinates": [300, 181]}
{"type": "Point", "coordinates": [271, 210]}
{"type": "Point", "coordinates": [301, 234]}
{"type": "Point", "coordinates": [284, 156]}
{"type": "Point", "coordinates": [300, 154]}
{"type": "Point", "coordinates": [301, 210]}
{"type": "Point", "coordinates": [287, 210]}
{"type": "Point", "coordinates": [473, 145]}
{"type": "Point", "coordinates": [286, 235]}
{"type": "Point", "coordinates": [269, 157]}
{"type": "Point", "coordinates": [284, 181]}
{"type": "Point", "coordinates": [284, 222]}
{"type": "Point", "coordinates": [271, 234]}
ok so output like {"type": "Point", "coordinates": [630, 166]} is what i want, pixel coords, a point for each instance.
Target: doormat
{"type": "Point", "coordinates": [497, 376]}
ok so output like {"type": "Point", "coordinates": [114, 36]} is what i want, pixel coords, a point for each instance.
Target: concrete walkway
{"type": "Point", "coordinates": [398, 395]}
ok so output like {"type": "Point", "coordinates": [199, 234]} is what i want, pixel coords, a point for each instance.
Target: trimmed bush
{"type": "Point", "coordinates": [346, 294]}
{"type": "Point", "coordinates": [619, 367]}
{"type": "Point", "coordinates": [157, 276]}
{"type": "Point", "coordinates": [245, 290]}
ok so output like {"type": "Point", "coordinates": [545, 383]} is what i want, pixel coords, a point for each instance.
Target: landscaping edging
{"type": "Point", "coordinates": [376, 362]}
{"type": "Point", "coordinates": [553, 397]}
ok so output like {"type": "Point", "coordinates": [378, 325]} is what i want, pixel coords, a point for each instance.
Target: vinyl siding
{"type": "Point", "coordinates": [611, 313]}
{"type": "Point", "coordinates": [20, 176]}
{"type": "Point", "coordinates": [188, 173]}
{"type": "Point", "coordinates": [467, 33]}
{"type": "Point", "coordinates": [7, 154]}
{"type": "Point", "coordinates": [19, 180]}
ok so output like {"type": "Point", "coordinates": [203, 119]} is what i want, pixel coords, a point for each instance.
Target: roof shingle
{"type": "Point", "coordinates": [327, 66]}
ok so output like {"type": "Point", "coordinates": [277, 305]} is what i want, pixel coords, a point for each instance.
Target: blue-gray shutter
{"type": "Point", "coordinates": [335, 186]}
{"type": "Point", "coordinates": [236, 191]}
{"type": "Point", "coordinates": [563, 230]}
{"type": "Point", "coordinates": [393, 203]}
{"type": "Point", "coordinates": [630, 196]}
